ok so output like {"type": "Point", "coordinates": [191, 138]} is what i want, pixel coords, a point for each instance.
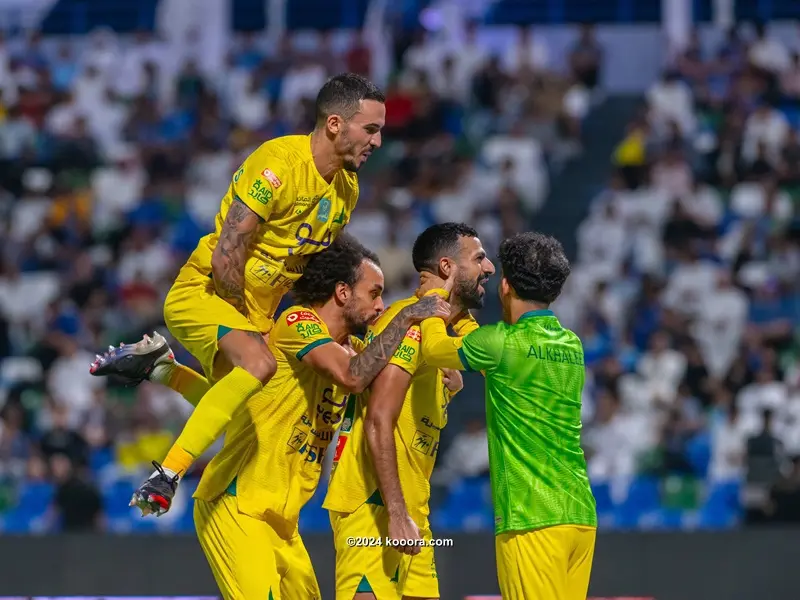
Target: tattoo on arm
{"type": "Point", "coordinates": [257, 337]}
{"type": "Point", "coordinates": [230, 254]}
{"type": "Point", "coordinates": [366, 365]}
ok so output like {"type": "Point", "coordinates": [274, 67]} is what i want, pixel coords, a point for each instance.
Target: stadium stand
{"type": "Point", "coordinates": [685, 296]}
{"type": "Point", "coordinates": [115, 151]}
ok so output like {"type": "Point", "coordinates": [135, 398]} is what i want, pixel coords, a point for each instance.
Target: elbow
{"type": "Point", "coordinates": [356, 386]}
{"type": "Point", "coordinates": [217, 262]}
{"type": "Point", "coordinates": [352, 382]}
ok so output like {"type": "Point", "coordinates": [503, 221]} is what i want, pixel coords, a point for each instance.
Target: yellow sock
{"type": "Point", "coordinates": [209, 419]}
{"type": "Point", "coordinates": [188, 383]}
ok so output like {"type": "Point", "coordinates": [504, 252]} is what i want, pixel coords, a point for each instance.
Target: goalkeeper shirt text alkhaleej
{"type": "Point", "coordinates": [534, 375]}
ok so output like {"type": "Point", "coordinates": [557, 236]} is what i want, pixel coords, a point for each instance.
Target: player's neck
{"type": "Point", "coordinates": [521, 307]}
{"type": "Point", "coordinates": [333, 318]}
{"type": "Point", "coordinates": [325, 159]}
{"type": "Point", "coordinates": [428, 283]}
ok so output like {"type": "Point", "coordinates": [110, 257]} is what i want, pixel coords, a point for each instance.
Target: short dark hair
{"type": "Point", "coordinates": [535, 266]}
{"type": "Point", "coordinates": [340, 262]}
{"type": "Point", "coordinates": [342, 94]}
{"type": "Point", "coordinates": [438, 241]}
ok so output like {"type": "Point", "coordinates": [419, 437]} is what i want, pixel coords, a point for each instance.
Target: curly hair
{"type": "Point", "coordinates": [339, 263]}
{"type": "Point", "coordinates": [438, 241]}
{"type": "Point", "coordinates": [535, 266]}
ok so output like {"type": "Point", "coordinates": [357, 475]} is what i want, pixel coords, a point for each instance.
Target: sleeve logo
{"type": "Point", "coordinates": [301, 315]}
{"type": "Point", "coordinates": [272, 178]}
{"type": "Point", "coordinates": [260, 192]}
{"type": "Point", "coordinates": [414, 334]}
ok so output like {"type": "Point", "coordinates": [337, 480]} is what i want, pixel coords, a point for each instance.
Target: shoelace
{"type": "Point", "coordinates": [173, 481]}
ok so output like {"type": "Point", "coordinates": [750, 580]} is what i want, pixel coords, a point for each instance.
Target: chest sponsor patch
{"type": "Point", "coordinates": [301, 315]}
{"type": "Point", "coordinates": [272, 178]}
{"type": "Point", "coordinates": [414, 334]}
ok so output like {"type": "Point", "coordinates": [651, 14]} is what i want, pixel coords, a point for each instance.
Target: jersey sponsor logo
{"type": "Point", "coordinates": [414, 334]}
{"type": "Point", "coordinates": [305, 237]}
{"type": "Point", "coordinates": [272, 178]}
{"type": "Point", "coordinates": [324, 210]}
{"type": "Point", "coordinates": [556, 355]}
{"type": "Point", "coordinates": [309, 330]}
{"type": "Point", "coordinates": [297, 439]}
{"type": "Point", "coordinates": [301, 315]}
{"type": "Point", "coordinates": [405, 353]}
{"type": "Point", "coordinates": [329, 417]}
{"type": "Point", "coordinates": [341, 218]}
{"type": "Point", "coordinates": [260, 192]}
{"type": "Point", "coordinates": [340, 444]}
{"type": "Point", "coordinates": [238, 175]}
{"type": "Point", "coordinates": [428, 422]}
{"type": "Point", "coordinates": [422, 442]}
{"type": "Point", "coordinates": [327, 398]}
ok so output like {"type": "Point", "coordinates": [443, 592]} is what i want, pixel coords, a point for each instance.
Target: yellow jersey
{"type": "Point", "coordinates": [421, 420]}
{"type": "Point", "coordinates": [301, 213]}
{"type": "Point", "coordinates": [275, 445]}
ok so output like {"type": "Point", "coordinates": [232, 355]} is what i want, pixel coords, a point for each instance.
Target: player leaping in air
{"type": "Point", "coordinates": [250, 496]}
{"type": "Point", "coordinates": [545, 514]}
{"type": "Point", "coordinates": [288, 201]}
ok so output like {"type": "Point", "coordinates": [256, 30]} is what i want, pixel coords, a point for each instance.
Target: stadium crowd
{"type": "Point", "coordinates": [685, 294]}
{"type": "Point", "coordinates": [114, 155]}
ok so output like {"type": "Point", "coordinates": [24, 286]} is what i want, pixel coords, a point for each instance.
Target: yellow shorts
{"type": "Point", "coordinates": [373, 567]}
{"type": "Point", "coordinates": [554, 562]}
{"type": "Point", "coordinates": [248, 558]}
{"type": "Point", "coordinates": [197, 317]}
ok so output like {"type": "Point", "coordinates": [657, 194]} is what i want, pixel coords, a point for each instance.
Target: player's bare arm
{"type": "Point", "coordinates": [229, 257]}
{"type": "Point", "coordinates": [388, 393]}
{"type": "Point", "coordinates": [357, 372]}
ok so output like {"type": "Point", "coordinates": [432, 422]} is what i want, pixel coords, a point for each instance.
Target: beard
{"type": "Point", "coordinates": [351, 166]}
{"type": "Point", "coordinates": [355, 322]}
{"type": "Point", "coordinates": [468, 294]}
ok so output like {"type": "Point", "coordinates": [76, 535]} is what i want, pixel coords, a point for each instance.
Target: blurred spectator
{"type": "Point", "coordinates": [78, 505]}
{"type": "Point", "coordinates": [61, 439]}
{"type": "Point", "coordinates": [467, 456]}
{"type": "Point", "coordinates": [767, 53]}
{"type": "Point", "coordinates": [728, 443]}
{"type": "Point", "coordinates": [763, 468]}
{"type": "Point", "coordinates": [586, 58]}
{"type": "Point", "coordinates": [785, 496]}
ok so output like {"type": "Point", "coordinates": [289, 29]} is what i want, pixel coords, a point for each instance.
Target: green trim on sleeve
{"type": "Point", "coordinates": [311, 346]}
{"type": "Point", "coordinates": [464, 360]}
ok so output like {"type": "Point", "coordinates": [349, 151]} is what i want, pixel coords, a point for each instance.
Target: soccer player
{"type": "Point", "coordinates": [250, 495]}
{"type": "Point", "coordinates": [545, 513]}
{"type": "Point", "coordinates": [288, 201]}
{"type": "Point", "coordinates": [385, 456]}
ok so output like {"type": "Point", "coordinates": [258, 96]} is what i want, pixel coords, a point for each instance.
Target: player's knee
{"type": "Point", "coordinates": [260, 365]}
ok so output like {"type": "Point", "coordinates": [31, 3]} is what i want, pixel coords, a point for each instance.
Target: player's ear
{"type": "Point", "coordinates": [445, 267]}
{"type": "Point", "coordinates": [334, 124]}
{"type": "Point", "coordinates": [342, 292]}
{"type": "Point", "coordinates": [505, 289]}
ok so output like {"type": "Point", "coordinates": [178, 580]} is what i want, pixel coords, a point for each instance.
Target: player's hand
{"type": "Point", "coordinates": [427, 307]}
{"type": "Point", "coordinates": [403, 528]}
{"type": "Point", "coordinates": [155, 495]}
{"type": "Point", "coordinates": [453, 380]}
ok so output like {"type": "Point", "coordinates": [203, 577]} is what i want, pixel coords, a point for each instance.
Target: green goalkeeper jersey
{"type": "Point", "coordinates": [534, 380]}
